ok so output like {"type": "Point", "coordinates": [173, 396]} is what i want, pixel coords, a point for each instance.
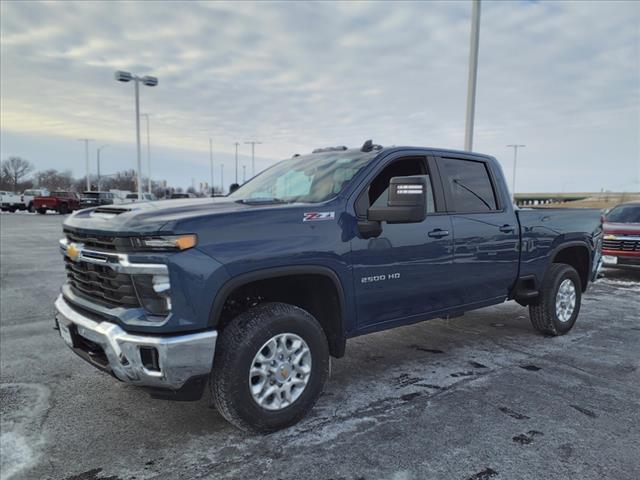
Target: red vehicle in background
{"type": "Point", "coordinates": [61, 202]}
{"type": "Point", "coordinates": [621, 229]}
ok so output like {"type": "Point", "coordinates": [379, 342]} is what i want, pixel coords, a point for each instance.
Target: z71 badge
{"type": "Point", "coordinates": [318, 216]}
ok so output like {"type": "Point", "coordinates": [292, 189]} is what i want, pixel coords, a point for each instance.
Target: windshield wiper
{"type": "Point", "coordinates": [259, 200]}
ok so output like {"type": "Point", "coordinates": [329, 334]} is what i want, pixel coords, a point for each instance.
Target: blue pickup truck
{"type": "Point", "coordinates": [248, 296]}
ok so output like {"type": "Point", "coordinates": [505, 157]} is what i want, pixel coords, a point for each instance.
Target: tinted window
{"type": "Point", "coordinates": [624, 214]}
{"type": "Point", "coordinates": [468, 185]}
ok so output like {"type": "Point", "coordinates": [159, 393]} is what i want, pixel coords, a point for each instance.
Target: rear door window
{"type": "Point", "coordinates": [468, 186]}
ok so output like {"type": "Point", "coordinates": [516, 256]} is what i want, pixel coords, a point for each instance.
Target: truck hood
{"type": "Point", "coordinates": [161, 216]}
{"type": "Point", "coordinates": [610, 228]}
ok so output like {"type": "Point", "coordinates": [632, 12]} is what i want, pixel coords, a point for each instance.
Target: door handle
{"type": "Point", "coordinates": [438, 233]}
{"type": "Point", "coordinates": [507, 229]}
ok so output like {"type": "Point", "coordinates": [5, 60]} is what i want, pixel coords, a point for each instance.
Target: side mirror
{"type": "Point", "coordinates": [407, 202]}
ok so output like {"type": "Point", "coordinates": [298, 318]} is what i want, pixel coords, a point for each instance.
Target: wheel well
{"type": "Point", "coordinates": [316, 293]}
{"type": "Point", "coordinates": [578, 258]}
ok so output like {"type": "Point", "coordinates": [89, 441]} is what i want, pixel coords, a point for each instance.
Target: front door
{"type": "Point", "coordinates": [406, 270]}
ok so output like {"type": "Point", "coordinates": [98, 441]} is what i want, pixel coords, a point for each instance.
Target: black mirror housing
{"type": "Point", "coordinates": [407, 201]}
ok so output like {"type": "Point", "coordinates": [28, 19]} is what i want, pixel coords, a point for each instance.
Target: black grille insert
{"type": "Point", "coordinates": [621, 245]}
{"type": "Point", "coordinates": [101, 283]}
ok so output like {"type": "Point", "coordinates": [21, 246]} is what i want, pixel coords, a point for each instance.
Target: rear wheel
{"type": "Point", "coordinates": [42, 211]}
{"type": "Point", "coordinates": [30, 208]}
{"type": "Point", "coordinates": [270, 367]}
{"type": "Point", "coordinates": [63, 209]}
{"type": "Point", "coordinates": [558, 305]}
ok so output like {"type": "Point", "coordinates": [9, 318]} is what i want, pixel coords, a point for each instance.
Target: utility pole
{"type": "Point", "coordinates": [244, 173]}
{"type": "Point", "coordinates": [211, 162]}
{"type": "Point", "coordinates": [86, 158]}
{"type": "Point", "coordinates": [237, 161]}
{"type": "Point", "coordinates": [149, 82]}
{"type": "Point", "coordinates": [148, 152]}
{"type": "Point", "coordinates": [98, 150]}
{"type": "Point", "coordinates": [222, 177]}
{"type": "Point", "coordinates": [515, 159]}
{"type": "Point", "coordinates": [473, 75]}
{"type": "Point", "coordinates": [253, 155]}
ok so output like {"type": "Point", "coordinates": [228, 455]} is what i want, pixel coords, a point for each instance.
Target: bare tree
{"type": "Point", "coordinates": [54, 180]}
{"type": "Point", "coordinates": [15, 169]}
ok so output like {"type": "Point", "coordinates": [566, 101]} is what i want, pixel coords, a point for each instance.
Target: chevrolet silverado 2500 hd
{"type": "Point", "coordinates": [249, 295]}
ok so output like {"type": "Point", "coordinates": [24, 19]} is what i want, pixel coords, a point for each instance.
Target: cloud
{"type": "Point", "coordinates": [300, 75]}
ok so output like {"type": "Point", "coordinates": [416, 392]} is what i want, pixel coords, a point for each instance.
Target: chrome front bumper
{"type": "Point", "coordinates": [180, 357]}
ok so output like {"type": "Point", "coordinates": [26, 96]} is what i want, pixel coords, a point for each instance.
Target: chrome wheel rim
{"type": "Point", "coordinates": [280, 371]}
{"type": "Point", "coordinates": [565, 300]}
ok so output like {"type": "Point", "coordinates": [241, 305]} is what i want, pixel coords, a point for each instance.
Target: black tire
{"type": "Point", "coordinates": [30, 208]}
{"type": "Point", "coordinates": [236, 348]}
{"type": "Point", "coordinates": [42, 211]}
{"type": "Point", "coordinates": [543, 313]}
{"type": "Point", "coordinates": [63, 210]}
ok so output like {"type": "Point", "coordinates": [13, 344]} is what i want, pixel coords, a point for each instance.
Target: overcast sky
{"type": "Point", "coordinates": [562, 78]}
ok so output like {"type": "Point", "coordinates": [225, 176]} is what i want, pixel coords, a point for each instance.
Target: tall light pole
{"type": "Point", "coordinates": [86, 158]}
{"type": "Point", "coordinates": [211, 162]}
{"type": "Point", "coordinates": [515, 159]}
{"type": "Point", "coordinates": [149, 82]}
{"type": "Point", "coordinates": [253, 155]}
{"type": "Point", "coordinates": [244, 173]}
{"type": "Point", "coordinates": [473, 75]}
{"type": "Point", "coordinates": [222, 177]}
{"type": "Point", "coordinates": [237, 161]}
{"type": "Point", "coordinates": [98, 161]}
{"type": "Point", "coordinates": [146, 115]}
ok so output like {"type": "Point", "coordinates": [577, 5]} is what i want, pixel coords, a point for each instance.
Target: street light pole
{"type": "Point", "coordinates": [98, 159]}
{"type": "Point", "coordinates": [148, 152]}
{"type": "Point", "coordinates": [237, 161]}
{"type": "Point", "coordinates": [515, 160]}
{"type": "Point", "coordinates": [253, 156]}
{"type": "Point", "coordinates": [211, 162]}
{"type": "Point", "coordinates": [222, 177]}
{"type": "Point", "coordinates": [473, 75]}
{"type": "Point", "coordinates": [149, 82]}
{"type": "Point", "coordinates": [86, 158]}
{"type": "Point", "coordinates": [244, 173]}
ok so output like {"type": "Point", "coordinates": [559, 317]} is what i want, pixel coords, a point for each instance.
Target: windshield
{"type": "Point", "coordinates": [309, 179]}
{"type": "Point", "coordinates": [132, 195]}
{"type": "Point", "coordinates": [624, 214]}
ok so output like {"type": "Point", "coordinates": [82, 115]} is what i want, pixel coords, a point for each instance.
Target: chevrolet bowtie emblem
{"type": "Point", "coordinates": [73, 252]}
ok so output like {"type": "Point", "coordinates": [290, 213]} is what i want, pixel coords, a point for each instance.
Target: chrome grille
{"type": "Point", "coordinates": [621, 245]}
{"type": "Point", "coordinates": [106, 243]}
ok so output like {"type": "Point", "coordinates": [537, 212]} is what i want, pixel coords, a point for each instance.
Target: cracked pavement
{"type": "Point", "coordinates": [478, 397]}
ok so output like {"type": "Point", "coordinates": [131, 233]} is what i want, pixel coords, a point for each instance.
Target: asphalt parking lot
{"type": "Point", "coordinates": [473, 398]}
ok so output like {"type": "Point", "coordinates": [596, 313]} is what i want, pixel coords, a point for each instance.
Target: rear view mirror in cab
{"type": "Point", "coordinates": [407, 203]}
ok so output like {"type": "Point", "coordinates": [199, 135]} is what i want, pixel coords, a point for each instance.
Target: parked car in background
{"type": "Point", "coordinates": [621, 228]}
{"type": "Point", "coordinates": [10, 202]}
{"type": "Point", "coordinates": [29, 195]}
{"type": "Point", "coordinates": [95, 199]}
{"type": "Point", "coordinates": [182, 195]}
{"type": "Point", "coordinates": [61, 202]}
{"type": "Point", "coordinates": [146, 197]}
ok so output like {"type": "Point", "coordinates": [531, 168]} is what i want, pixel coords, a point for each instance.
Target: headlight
{"type": "Point", "coordinates": [167, 242]}
{"type": "Point", "coordinates": [154, 293]}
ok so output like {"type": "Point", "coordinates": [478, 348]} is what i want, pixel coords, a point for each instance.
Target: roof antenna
{"type": "Point", "coordinates": [367, 146]}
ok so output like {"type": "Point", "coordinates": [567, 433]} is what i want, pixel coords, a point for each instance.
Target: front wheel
{"type": "Point", "coordinates": [30, 208]}
{"type": "Point", "coordinates": [270, 367]}
{"type": "Point", "coordinates": [558, 305]}
{"type": "Point", "coordinates": [42, 211]}
{"type": "Point", "coordinates": [64, 209]}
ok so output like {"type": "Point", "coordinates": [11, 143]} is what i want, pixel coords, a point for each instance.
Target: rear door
{"type": "Point", "coordinates": [485, 230]}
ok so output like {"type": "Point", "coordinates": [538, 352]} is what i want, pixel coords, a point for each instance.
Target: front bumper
{"type": "Point", "coordinates": [108, 347]}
